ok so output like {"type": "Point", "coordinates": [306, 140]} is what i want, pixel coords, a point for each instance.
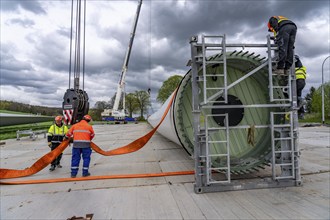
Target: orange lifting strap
{"type": "Point", "coordinates": [49, 157]}
{"type": "Point", "coordinates": [122, 176]}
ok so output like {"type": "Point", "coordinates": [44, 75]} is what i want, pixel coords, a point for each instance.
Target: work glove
{"type": "Point", "coordinates": [50, 144]}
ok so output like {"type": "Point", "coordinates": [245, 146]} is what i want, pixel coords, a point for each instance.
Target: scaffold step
{"type": "Point", "coordinates": [282, 126]}
{"type": "Point", "coordinates": [219, 168]}
{"type": "Point", "coordinates": [283, 139]}
{"type": "Point", "coordinates": [284, 177]}
{"type": "Point", "coordinates": [218, 155]}
{"type": "Point", "coordinates": [280, 87]}
{"type": "Point", "coordinates": [217, 142]}
{"type": "Point", "coordinates": [281, 99]}
{"type": "Point", "coordinates": [283, 151]}
{"type": "Point", "coordinates": [284, 164]}
{"type": "Point", "coordinates": [213, 62]}
{"type": "Point", "coordinates": [216, 128]}
{"type": "Point", "coordinates": [219, 181]}
{"type": "Point", "coordinates": [212, 75]}
{"type": "Point", "coordinates": [215, 88]}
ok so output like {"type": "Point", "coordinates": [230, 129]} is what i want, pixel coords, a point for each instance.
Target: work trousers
{"type": "Point", "coordinates": [57, 160]}
{"type": "Point", "coordinates": [76, 155]}
{"type": "Point", "coordinates": [285, 39]}
{"type": "Point", "coordinates": [300, 86]}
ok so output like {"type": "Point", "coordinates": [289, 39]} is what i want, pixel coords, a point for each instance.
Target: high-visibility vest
{"type": "Point", "coordinates": [301, 73]}
{"type": "Point", "coordinates": [81, 132]}
{"type": "Point", "coordinates": [279, 20]}
{"type": "Point", "coordinates": [56, 133]}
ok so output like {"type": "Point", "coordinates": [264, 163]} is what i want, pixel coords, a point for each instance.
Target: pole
{"type": "Point", "coordinates": [323, 118]}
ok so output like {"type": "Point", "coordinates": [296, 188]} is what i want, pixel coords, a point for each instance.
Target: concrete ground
{"type": "Point", "coordinates": [161, 197]}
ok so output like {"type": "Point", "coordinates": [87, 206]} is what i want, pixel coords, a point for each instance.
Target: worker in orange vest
{"type": "Point", "coordinates": [82, 134]}
{"type": "Point", "coordinates": [285, 35]}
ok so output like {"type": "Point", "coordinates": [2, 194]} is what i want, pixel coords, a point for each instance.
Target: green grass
{"type": "Point", "coordinates": [314, 118]}
{"type": "Point", "coordinates": [8, 132]}
{"type": "Point", "coordinates": [12, 112]}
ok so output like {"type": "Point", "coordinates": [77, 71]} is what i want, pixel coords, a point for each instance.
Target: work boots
{"type": "Point", "coordinates": [52, 168]}
{"type": "Point", "coordinates": [281, 72]}
{"type": "Point", "coordinates": [86, 174]}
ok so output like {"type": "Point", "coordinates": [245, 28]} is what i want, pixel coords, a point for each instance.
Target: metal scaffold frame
{"type": "Point", "coordinates": [285, 152]}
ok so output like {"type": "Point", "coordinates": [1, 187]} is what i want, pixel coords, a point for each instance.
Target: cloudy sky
{"type": "Point", "coordinates": [35, 42]}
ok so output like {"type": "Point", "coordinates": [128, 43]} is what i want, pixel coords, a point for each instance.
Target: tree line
{"type": "Point", "coordinates": [314, 100]}
{"type": "Point", "coordinates": [29, 109]}
{"type": "Point", "coordinates": [137, 102]}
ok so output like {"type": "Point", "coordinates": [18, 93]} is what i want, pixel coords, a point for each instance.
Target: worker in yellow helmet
{"type": "Point", "coordinates": [55, 137]}
{"type": "Point", "coordinates": [300, 83]}
{"type": "Point", "coordinates": [285, 35]}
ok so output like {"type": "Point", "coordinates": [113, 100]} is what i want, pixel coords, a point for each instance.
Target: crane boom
{"type": "Point", "coordinates": [121, 83]}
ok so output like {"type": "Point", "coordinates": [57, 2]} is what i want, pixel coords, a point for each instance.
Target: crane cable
{"type": "Point", "coordinates": [77, 45]}
{"type": "Point", "coordinates": [70, 59]}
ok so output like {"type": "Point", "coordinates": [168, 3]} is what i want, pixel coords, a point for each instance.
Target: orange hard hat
{"type": "Point", "coordinates": [87, 117]}
{"type": "Point", "coordinates": [58, 118]}
{"type": "Point", "coordinates": [270, 28]}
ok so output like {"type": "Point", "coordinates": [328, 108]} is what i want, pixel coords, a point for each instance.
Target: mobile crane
{"type": "Point", "coordinates": [75, 101]}
{"type": "Point", "coordinates": [121, 115]}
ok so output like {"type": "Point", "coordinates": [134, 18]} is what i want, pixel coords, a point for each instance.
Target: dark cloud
{"type": "Point", "coordinates": [21, 74]}
{"type": "Point", "coordinates": [179, 23]}
{"type": "Point", "coordinates": [63, 31]}
{"type": "Point", "coordinates": [50, 51]}
{"type": "Point", "coordinates": [10, 63]}
{"type": "Point", "coordinates": [27, 23]}
{"type": "Point", "coordinates": [29, 5]}
{"type": "Point", "coordinates": [229, 17]}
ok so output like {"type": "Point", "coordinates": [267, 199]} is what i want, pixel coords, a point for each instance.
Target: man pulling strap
{"type": "Point", "coordinates": [82, 134]}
